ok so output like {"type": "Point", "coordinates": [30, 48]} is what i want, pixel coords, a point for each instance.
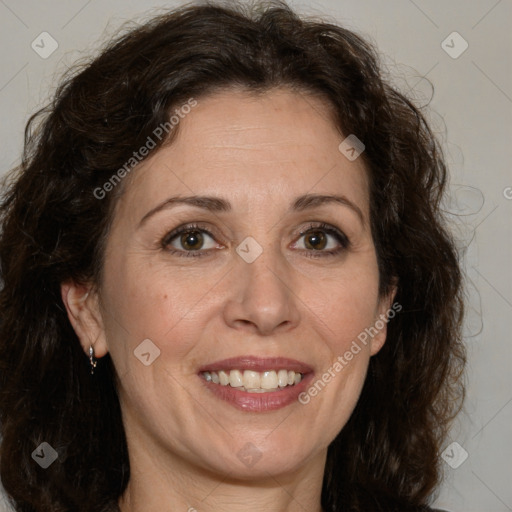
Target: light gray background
{"type": "Point", "coordinates": [471, 112]}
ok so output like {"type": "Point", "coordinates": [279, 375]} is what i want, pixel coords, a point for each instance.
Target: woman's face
{"type": "Point", "coordinates": [243, 292]}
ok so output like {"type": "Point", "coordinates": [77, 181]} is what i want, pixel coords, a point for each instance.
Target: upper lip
{"type": "Point", "coordinates": [257, 364]}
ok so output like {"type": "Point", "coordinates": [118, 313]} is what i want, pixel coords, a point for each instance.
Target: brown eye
{"type": "Point", "coordinates": [190, 240]}
{"type": "Point", "coordinates": [315, 240]}
{"type": "Point", "coordinates": [322, 240]}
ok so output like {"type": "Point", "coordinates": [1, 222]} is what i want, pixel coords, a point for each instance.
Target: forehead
{"type": "Point", "coordinates": [253, 148]}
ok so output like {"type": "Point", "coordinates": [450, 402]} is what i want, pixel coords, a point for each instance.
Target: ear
{"type": "Point", "coordinates": [82, 305]}
{"type": "Point", "coordinates": [386, 310]}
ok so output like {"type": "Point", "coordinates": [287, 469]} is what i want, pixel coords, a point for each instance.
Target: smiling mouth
{"type": "Point", "coordinates": [252, 381]}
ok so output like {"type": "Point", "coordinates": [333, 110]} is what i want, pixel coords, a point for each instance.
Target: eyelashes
{"type": "Point", "coordinates": [313, 230]}
{"type": "Point", "coordinates": [192, 231]}
{"type": "Point", "coordinates": [192, 235]}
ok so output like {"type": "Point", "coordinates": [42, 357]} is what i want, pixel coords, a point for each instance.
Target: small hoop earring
{"type": "Point", "coordinates": [92, 359]}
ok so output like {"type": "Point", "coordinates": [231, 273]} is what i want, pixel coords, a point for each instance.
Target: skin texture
{"type": "Point", "coordinates": [259, 153]}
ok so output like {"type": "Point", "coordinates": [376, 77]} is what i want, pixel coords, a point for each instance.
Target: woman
{"type": "Point", "coordinates": [227, 282]}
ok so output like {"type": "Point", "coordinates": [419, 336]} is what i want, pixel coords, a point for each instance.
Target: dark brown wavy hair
{"type": "Point", "coordinates": [54, 229]}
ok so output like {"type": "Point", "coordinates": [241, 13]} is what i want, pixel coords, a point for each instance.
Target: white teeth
{"type": "Point", "coordinates": [223, 378]}
{"type": "Point", "coordinates": [282, 378]}
{"type": "Point", "coordinates": [254, 382]}
{"type": "Point", "coordinates": [235, 379]}
{"type": "Point", "coordinates": [252, 379]}
{"type": "Point", "coordinates": [269, 380]}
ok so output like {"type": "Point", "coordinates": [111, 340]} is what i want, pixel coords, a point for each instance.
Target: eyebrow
{"type": "Point", "coordinates": [218, 204]}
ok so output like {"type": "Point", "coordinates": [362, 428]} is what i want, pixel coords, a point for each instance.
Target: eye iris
{"type": "Point", "coordinates": [316, 240]}
{"type": "Point", "coordinates": [192, 239]}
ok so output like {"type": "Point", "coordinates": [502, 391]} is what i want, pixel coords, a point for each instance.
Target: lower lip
{"type": "Point", "coordinates": [259, 402]}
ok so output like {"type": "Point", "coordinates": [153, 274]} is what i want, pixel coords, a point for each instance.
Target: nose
{"type": "Point", "coordinates": [262, 298]}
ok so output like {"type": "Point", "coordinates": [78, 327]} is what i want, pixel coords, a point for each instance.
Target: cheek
{"type": "Point", "coordinates": [348, 307]}
{"type": "Point", "coordinates": [149, 302]}
{"type": "Point", "coordinates": [153, 307]}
